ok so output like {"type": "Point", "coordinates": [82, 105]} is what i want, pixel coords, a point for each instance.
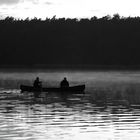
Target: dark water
{"type": "Point", "coordinates": [109, 109]}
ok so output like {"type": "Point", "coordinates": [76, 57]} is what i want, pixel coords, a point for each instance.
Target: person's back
{"type": "Point", "coordinates": [64, 83]}
{"type": "Point", "coordinates": [37, 83]}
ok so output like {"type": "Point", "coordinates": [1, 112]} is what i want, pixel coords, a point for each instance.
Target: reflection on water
{"type": "Point", "coordinates": [109, 111]}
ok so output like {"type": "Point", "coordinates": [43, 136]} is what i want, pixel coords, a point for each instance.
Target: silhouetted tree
{"type": "Point", "coordinates": [70, 42]}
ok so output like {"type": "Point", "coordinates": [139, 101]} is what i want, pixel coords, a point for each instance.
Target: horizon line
{"type": "Point", "coordinates": [109, 17]}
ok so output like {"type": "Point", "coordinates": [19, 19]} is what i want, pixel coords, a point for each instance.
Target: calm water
{"type": "Point", "coordinates": [109, 109]}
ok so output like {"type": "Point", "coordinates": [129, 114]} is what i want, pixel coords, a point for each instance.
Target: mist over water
{"type": "Point", "coordinates": [109, 109]}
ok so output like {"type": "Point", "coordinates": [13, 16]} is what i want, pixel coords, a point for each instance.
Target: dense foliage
{"type": "Point", "coordinates": [72, 42]}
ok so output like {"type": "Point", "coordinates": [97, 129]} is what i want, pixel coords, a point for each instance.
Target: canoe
{"type": "Point", "coordinates": [79, 88]}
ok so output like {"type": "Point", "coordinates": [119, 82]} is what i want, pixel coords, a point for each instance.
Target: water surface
{"type": "Point", "coordinates": [109, 109]}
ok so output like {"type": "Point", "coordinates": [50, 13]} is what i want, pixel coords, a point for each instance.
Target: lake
{"type": "Point", "coordinates": [108, 110]}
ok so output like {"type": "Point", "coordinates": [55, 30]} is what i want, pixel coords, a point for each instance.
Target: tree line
{"type": "Point", "coordinates": [107, 41]}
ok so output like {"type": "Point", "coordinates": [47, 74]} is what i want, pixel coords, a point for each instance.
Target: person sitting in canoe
{"type": "Point", "coordinates": [37, 83]}
{"type": "Point", "coordinates": [64, 83]}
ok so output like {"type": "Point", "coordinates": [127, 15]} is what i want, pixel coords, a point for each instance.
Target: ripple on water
{"type": "Point", "coordinates": [55, 117]}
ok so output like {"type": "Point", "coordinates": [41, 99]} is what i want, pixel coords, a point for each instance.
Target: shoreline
{"type": "Point", "coordinates": [69, 68]}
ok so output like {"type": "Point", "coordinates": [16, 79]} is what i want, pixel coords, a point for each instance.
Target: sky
{"type": "Point", "coordinates": [68, 8]}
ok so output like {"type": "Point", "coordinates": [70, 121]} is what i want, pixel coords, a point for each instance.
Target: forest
{"type": "Point", "coordinates": [112, 42]}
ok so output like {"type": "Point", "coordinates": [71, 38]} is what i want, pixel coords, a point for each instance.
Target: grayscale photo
{"type": "Point", "coordinates": [69, 69]}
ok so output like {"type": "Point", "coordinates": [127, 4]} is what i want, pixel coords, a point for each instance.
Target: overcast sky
{"type": "Point", "coordinates": [68, 8]}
